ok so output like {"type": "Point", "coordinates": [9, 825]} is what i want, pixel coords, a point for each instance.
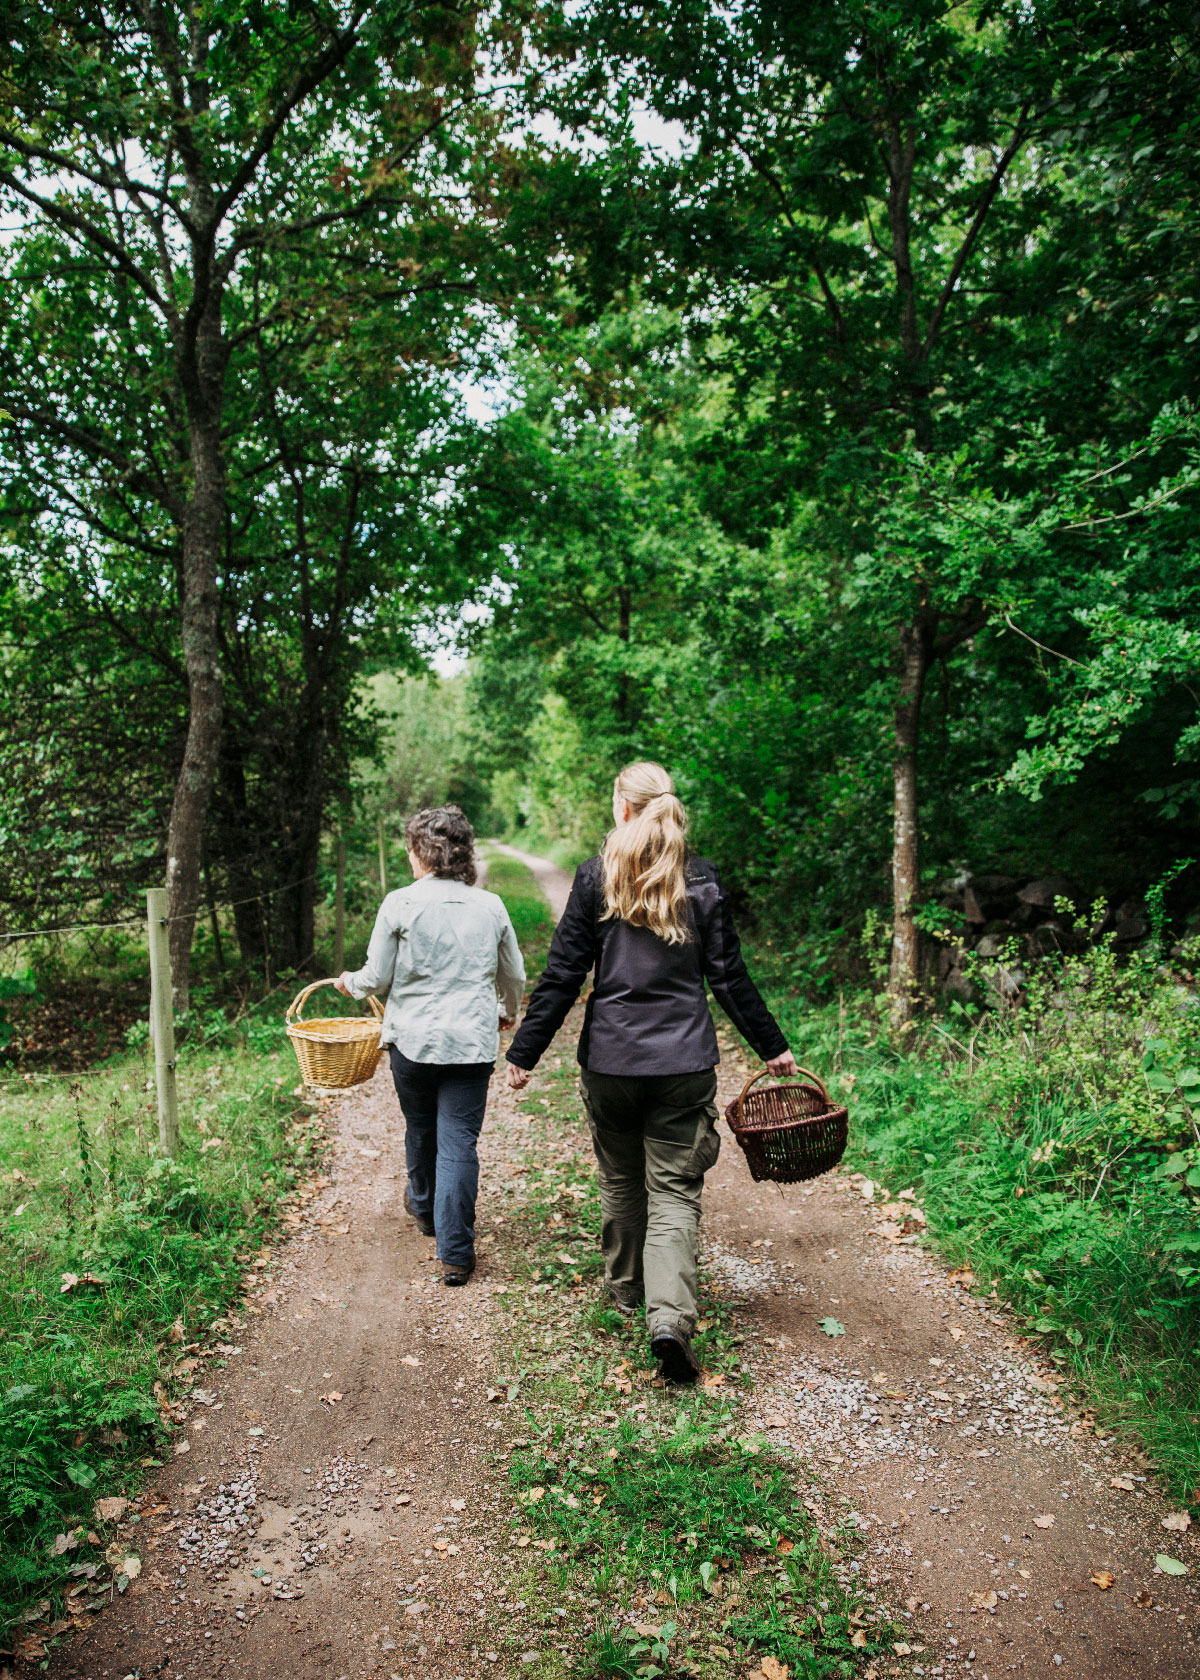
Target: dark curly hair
{"type": "Point", "coordinates": [444, 841]}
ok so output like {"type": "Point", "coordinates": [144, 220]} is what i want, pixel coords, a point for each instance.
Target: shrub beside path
{"type": "Point", "coordinates": [338, 1511]}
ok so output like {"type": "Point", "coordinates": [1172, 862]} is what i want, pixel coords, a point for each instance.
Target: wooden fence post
{"type": "Point", "coordinates": [382, 856]}
{"type": "Point", "coordinates": [339, 908]}
{"type": "Point", "coordinates": [162, 1020]}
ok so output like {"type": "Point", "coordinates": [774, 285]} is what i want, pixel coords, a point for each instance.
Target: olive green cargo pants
{"type": "Point", "coordinates": [655, 1138]}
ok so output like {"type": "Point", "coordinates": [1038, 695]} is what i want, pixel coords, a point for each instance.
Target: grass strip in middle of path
{"type": "Point", "coordinates": [662, 1537]}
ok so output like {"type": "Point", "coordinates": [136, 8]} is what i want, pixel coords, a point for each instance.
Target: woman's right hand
{"type": "Point", "coordinates": [783, 1067]}
{"type": "Point", "coordinates": [343, 983]}
{"type": "Point", "coordinates": [518, 1077]}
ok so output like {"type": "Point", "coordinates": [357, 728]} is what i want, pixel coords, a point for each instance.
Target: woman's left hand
{"type": "Point", "coordinates": [343, 983]}
{"type": "Point", "coordinates": [783, 1067]}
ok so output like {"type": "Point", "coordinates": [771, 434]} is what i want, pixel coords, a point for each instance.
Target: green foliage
{"type": "Point", "coordinates": [527, 907]}
{"type": "Point", "coordinates": [13, 986]}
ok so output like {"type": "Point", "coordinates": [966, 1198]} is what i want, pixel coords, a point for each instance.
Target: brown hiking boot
{"type": "Point", "coordinates": [672, 1347]}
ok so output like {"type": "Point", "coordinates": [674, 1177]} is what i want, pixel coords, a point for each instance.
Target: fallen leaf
{"type": "Point", "coordinates": [132, 1567]}
{"type": "Point", "coordinates": [1143, 1600]}
{"type": "Point", "coordinates": [404, 1499]}
{"type": "Point", "coordinates": [867, 1190]}
{"type": "Point", "coordinates": [212, 1143]}
{"type": "Point", "coordinates": [956, 1335]}
{"type": "Point", "coordinates": [532, 1495]}
{"type": "Point", "coordinates": [330, 1399]}
{"type": "Point", "coordinates": [963, 1275]}
{"type": "Point", "coordinates": [712, 1379]}
{"type": "Point", "coordinates": [63, 1543]}
{"type": "Point", "coordinates": [110, 1510]}
{"type": "Point", "coordinates": [1103, 1579]}
{"type": "Point", "coordinates": [858, 1638]}
{"type": "Point", "coordinates": [1125, 1483]}
{"type": "Point", "coordinates": [81, 1280]}
{"type": "Point", "coordinates": [783, 1547]}
{"type": "Point", "coordinates": [1178, 1521]}
{"type": "Point", "coordinates": [1046, 1521]}
{"type": "Point", "coordinates": [69, 1280]}
{"type": "Point", "coordinates": [181, 1447]}
{"type": "Point", "coordinates": [774, 1669]}
{"type": "Point", "coordinates": [983, 1600]}
{"type": "Point", "coordinates": [458, 1504]}
{"type": "Point", "coordinates": [409, 1359]}
{"type": "Point", "coordinates": [831, 1327]}
{"type": "Point", "coordinates": [371, 1154]}
{"type": "Point", "coordinates": [1170, 1565]}
{"type": "Point", "coordinates": [902, 1650]}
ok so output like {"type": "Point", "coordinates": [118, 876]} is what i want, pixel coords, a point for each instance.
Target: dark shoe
{"type": "Point", "coordinates": [422, 1221]}
{"type": "Point", "coordinates": [455, 1276]}
{"type": "Point", "coordinates": [627, 1298]}
{"type": "Point", "coordinates": [672, 1347]}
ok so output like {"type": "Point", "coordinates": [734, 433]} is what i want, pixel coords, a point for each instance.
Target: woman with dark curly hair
{"type": "Point", "coordinates": [445, 953]}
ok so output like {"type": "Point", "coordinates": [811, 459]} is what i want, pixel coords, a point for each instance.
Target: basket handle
{"type": "Point", "coordinates": [754, 1079]}
{"type": "Point", "coordinates": [292, 1013]}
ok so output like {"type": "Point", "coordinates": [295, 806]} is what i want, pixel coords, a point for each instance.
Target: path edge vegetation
{"type": "Point", "coordinates": [121, 1272]}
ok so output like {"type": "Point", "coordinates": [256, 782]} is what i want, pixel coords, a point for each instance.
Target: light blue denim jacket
{"type": "Point", "coordinates": [447, 958]}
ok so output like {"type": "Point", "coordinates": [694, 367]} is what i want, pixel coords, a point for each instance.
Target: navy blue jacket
{"type": "Point", "coordinates": [648, 1012]}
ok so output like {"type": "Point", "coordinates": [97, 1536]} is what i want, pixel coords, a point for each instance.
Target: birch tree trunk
{"type": "Point", "coordinates": [915, 648]}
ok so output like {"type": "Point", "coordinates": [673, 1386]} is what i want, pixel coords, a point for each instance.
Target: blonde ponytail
{"type": "Point", "coordinates": [643, 859]}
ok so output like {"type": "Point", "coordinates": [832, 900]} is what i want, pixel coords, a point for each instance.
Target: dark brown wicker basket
{"type": "Point", "coordinates": [788, 1132]}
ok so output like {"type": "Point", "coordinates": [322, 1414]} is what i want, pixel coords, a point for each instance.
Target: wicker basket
{"type": "Point", "coordinates": [337, 1050]}
{"type": "Point", "coordinates": [788, 1132]}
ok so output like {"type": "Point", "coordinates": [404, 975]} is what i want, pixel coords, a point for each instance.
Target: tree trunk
{"type": "Point", "coordinates": [915, 647]}
{"type": "Point", "coordinates": [203, 535]}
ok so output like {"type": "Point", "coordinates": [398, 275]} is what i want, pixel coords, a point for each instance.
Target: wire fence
{"type": "Point", "coordinates": [104, 1069]}
{"type": "Point", "coordinates": [140, 921]}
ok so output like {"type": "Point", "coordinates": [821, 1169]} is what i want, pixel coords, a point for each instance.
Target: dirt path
{"type": "Point", "coordinates": [338, 1514]}
{"type": "Point", "coordinates": [554, 882]}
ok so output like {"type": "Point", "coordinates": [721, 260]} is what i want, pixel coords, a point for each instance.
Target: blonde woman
{"type": "Point", "coordinates": [654, 924]}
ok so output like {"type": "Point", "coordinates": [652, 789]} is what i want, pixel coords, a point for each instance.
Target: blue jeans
{"type": "Point", "coordinates": [443, 1104]}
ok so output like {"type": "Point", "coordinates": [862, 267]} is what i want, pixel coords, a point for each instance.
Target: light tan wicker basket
{"type": "Point", "coordinates": [335, 1050]}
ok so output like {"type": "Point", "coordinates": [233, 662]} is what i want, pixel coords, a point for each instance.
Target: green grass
{"type": "Point", "coordinates": [159, 1249]}
{"type": "Point", "coordinates": [635, 1496]}
{"type": "Point", "coordinates": [526, 904]}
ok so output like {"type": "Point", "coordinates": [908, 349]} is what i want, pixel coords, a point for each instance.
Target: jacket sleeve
{"type": "Point", "coordinates": [376, 973]}
{"type": "Point", "coordinates": [725, 971]}
{"type": "Point", "coordinates": [572, 954]}
{"type": "Point", "coordinates": [510, 968]}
